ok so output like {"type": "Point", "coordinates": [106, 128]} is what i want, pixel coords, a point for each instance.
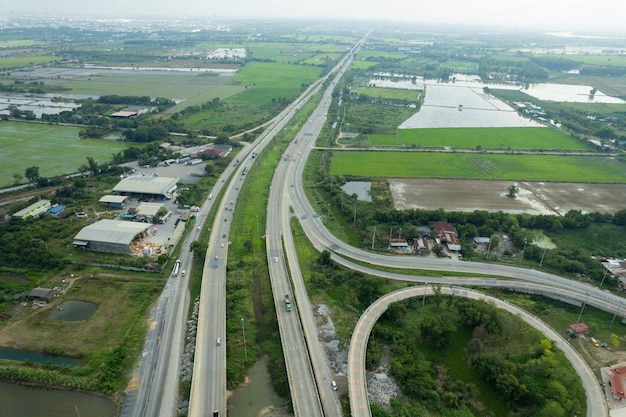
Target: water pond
{"type": "Point", "coordinates": [257, 395]}
{"type": "Point", "coordinates": [36, 357]}
{"type": "Point", "coordinates": [361, 188]}
{"type": "Point", "coordinates": [23, 401]}
{"type": "Point", "coordinates": [73, 310]}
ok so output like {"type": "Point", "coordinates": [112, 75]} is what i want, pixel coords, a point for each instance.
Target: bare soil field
{"type": "Point", "coordinates": [533, 198]}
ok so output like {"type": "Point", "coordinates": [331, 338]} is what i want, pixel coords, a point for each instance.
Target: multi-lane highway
{"type": "Point", "coordinates": [308, 371]}
{"type": "Point", "coordinates": [208, 388]}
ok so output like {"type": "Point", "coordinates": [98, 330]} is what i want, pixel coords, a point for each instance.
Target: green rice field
{"type": "Point", "coordinates": [591, 169]}
{"type": "Point", "coordinates": [267, 81]}
{"type": "Point", "coordinates": [489, 138]}
{"type": "Point", "coordinates": [56, 150]}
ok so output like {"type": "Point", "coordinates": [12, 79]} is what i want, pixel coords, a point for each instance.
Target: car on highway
{"type": "Point", "coordinates": [182, 274]}
{"type": "Point", "coordinates": [216, 413]}
{"type": "Point", "coordinates": [275, 259]}
{"type": "Point", "coordinates": [334, 385]}
{"type": "Point", "coordinates": [218, 341]}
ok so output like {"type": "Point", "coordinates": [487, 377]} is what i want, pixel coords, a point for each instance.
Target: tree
{"type": "Point", "coordinates": [513, 191]}
{"type": "Point", "coordinates": [436, 331]}
{"type": "Point", "coordinates": [614, 339]}
{"type": "Point", "coordinates": [17, 179]}
{"type": "Point", "coordinates": [32, 174]}
{"type": "Point", "coordinates": [93, 166]}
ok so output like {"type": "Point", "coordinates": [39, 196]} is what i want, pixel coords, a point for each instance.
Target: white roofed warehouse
{"type": "Point", "coordinates": [148, 186]}
{"type": "Point", "coordinates": [111, 236]}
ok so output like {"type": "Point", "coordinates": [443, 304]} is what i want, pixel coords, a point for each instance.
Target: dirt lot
{"type": "Point", "coordinates": [533, 198]}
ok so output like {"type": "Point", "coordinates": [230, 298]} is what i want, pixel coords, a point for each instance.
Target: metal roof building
{"type": "Point", "coordinates": [34, 210]}
{"type": "Point", "coordinates": [150, 185]}
{"type": "Point", "coordinates": [149, 209]}
{"type": "Point", "coordinates": [112, 199]}
{"type": "Point", "coordinates": [110, 235]}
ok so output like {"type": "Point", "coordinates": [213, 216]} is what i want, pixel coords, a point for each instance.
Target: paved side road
{"type": "Point", "coordinates": [359, 402]}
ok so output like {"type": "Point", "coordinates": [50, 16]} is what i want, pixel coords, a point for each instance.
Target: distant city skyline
{"type": "Point", "coordinates": [573, 15]}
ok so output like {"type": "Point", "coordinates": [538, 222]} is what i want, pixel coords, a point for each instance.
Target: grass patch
{"type": "Point", "coordinates": [388, 93]}
{"type": "Point", "coordinates": [601, 60]}
{"type": "Point", "coordinates": [267, 81]}
{"type": "Point", "coordinates": [370, 55]}
{"type": "Point", "coordinates": [492, 138]}
{"type": "Point", "coordinates": [174, 85]}
{"type": "Point", "coordinates": [362, 64]}
{"type": "Point", "coordinates": [56, 150]}
{"type": "Point", "coordinates": [589, 169]}
{"type": "Point", "coordinates": [27, 61]}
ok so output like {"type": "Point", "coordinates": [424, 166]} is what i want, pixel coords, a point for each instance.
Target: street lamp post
{"type": "Point", "coordinates": [581, 310]}
{"type": "Point", "coordinates": [245, 347]}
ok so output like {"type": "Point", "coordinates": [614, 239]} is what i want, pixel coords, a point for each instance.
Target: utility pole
{"type": "Point", "coordinates": [423, 300]}
{"type": "Point", "coordinates": [544, 254]}
{"type": "Point", "coordinates": [373, 237]}
{"type": "Point", "coordinates": [523, 250]}
{"type": "Point", "coordinates": [245, 347]}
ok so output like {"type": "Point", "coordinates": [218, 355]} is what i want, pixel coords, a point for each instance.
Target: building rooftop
{"type": "Point", "coordinates": [147, 184]}
{"type": "Point", "coordinates": [118, 199]}
{"type": "Point", "coordinates": [111, 231]}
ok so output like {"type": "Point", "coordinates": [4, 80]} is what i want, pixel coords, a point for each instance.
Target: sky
{"type": "Point", "coordinates": [573, 15]}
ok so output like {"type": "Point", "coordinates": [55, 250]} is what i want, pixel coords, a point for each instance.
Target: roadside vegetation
{"type": "Point", "coordinates": [465, 358]}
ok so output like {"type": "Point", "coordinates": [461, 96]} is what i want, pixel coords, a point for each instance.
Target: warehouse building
{"type": "Point", "coordinates": [114, 201]}
{"type": "Point", "coordinates": [111, 236]}
{"type": "Point", "coordinates": [150, 186]}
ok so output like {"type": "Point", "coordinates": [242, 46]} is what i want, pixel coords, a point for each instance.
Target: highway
{"type": "Point", "coordinates": [528, 280]}
{"type": "Point", "coordinates": [208, 387]}
{"type": "Point", "coordinates": [307, 367]}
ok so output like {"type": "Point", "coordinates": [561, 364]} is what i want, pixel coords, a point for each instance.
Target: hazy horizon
{"type": "Point", "coordinates": [601, 16]}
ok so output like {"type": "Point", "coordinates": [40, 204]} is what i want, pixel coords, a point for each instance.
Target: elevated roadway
{"type": "Point", "coordinates": [359, 403]}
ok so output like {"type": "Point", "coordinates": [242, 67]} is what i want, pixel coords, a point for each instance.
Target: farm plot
{"type": "Point", "coordinates": [491, 138]}
{"type": "Point", "coordinates": [533, 198]}
{"type": "Point", "coordinates": [598, 169]}
{"type": "Point", "coordinates": [172, 84]}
